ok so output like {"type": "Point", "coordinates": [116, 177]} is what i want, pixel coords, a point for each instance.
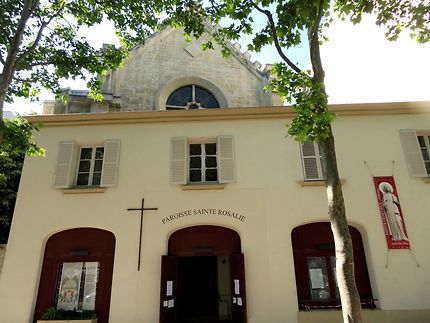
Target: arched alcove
{"type": "Point", "coordinates": [82, 257]}
{"type": "Point", "coordinates": [314, 264]}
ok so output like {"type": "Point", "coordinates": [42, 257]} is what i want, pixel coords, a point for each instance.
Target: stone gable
{"type": "Point", "coordinates": [167, 62]}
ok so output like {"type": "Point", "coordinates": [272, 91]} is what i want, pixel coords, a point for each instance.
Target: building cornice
{"type": "Point", "coordinates": [283, 112]}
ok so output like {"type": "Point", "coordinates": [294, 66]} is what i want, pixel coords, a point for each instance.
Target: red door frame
{"type": "Point", "coordinates": [76, 245]}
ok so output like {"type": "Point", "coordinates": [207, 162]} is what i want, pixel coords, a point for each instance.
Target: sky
{"type": "Point", "coordinates": [360, 65]}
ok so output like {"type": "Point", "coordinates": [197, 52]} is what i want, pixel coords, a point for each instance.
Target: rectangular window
{"type": "Point", "coordinates": [312, 161]}
{"type": "Point", "coordinates": [203, 163]}
{"type": "Point", "coordinates": [77, 286]}
{"type": "Point", "coordinates": [424, 143]}
{"type": "Point", "coordinates": [202, 160]}
{"type": "Point", "coordinates": [90, 166]}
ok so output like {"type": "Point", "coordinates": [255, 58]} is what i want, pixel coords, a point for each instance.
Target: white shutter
{"type": "Point", "coordinates": [412, 151]}
{"type": "Point", "coordinates": [226, 173]}
{"type": "Point", "coordinates": [63, 169]}
{"type": "Point", "coordinates": [311, 161]}
{"type": "Point", "coordinates": [178, 160]}
{"type": "Point", "coordinates": [110, 163]}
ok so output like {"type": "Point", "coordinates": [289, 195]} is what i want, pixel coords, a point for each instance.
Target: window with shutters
{"type": "Point", "coordinates": [416, 148]}
{"type": "Point", "coordinates": [312, 161]}
{"type": "Point", "coordinates": [196, 160]}
{"type": "Point", "coordinates": [87, 166]}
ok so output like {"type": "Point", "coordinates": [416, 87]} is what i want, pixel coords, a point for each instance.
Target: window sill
{"type": "Point", "coordinates": [315, 183]}
{"type": "Point", "coordinates": [208, 186]}
{"type": "Point", "coordinates": [79, 190]}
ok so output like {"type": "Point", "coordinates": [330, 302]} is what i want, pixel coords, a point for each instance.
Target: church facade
{"type": "Point", "coordinates": [180, 198]}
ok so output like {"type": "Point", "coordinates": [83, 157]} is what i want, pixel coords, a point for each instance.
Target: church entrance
{"type": "Point", "coordinates": [202, 279]}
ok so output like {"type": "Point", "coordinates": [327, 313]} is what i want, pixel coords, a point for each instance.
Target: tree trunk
{"type": "Point", "coordinates": [12, 54]}
{"type": "Point", "coordinates": [350, 299]}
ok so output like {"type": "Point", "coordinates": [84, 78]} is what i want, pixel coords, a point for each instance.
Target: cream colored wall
{"type": "Point", "coordinates": [266, 192]}
{"type": "Point", "coordinates": [164, 59]}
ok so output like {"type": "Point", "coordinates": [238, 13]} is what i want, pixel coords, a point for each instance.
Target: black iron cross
{"type": "Point", "coordinates": [141, 209]}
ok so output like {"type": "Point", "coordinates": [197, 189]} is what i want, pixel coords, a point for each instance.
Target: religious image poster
{"type": "Point", "coordinates": [391, 212]}
{"type": "Point", "coordinates": [68, 293]}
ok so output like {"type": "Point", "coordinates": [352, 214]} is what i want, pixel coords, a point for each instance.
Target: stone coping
{"type": "Point", "coordinates": [280, 112]}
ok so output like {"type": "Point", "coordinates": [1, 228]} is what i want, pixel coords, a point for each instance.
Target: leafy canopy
{"type": "Point", "coordinates": [18, 135]}
{"type": "Point", "coordinates": [52, 47]}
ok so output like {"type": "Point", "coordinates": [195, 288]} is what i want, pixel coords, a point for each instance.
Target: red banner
{"type": "Point", "coordinates": [391, 213]}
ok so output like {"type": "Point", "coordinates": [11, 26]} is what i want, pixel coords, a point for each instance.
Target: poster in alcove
{"type": "Point", "coordinates": [391, 212]}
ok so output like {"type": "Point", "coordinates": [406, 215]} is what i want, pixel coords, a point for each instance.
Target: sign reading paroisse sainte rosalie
{"type": "Point", "coordinates": [203, 212]}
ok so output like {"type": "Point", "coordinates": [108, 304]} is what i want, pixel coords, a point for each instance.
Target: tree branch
{"type": "Point", "coordinates": [9, 66]}
{"type": "Point", "coordinates": [314, 46]}
{"type": "Point", "coordinates": [27, 79]}
{"type": "Point", "coordinates": [27, 66]}
{"type": "Point", "coordinates": [276, 40]}
{"type": "Point", "coordinates": [38, 37]}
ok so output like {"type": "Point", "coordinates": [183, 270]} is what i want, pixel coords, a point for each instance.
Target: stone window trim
{"type": "Point", "coordinates": [172, 85]}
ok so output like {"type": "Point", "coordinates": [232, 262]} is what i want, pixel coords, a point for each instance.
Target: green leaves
{"type": "Point", "coordinates": [397, 16]}
{"type": "Point", "coordinates": [17, 141]}
{"type": "Point", "coordinates": [309, 99]}
{"type": "Point", "coordinates": [50, 48]}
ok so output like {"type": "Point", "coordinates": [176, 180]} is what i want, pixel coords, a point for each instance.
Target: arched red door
{"type": "Point", "coordinates": [192, 274]}
{"type": "Point", "coordinates": [77, 272]}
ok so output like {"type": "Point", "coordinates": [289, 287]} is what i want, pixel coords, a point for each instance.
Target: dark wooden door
{"type": "Point", "coordinates": [237, 264]}
{"type": "Point", "coordinates": [169, 289]}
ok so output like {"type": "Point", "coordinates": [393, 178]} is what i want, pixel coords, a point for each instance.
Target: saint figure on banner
{"type": "Point", "coordinates": [392, 213]}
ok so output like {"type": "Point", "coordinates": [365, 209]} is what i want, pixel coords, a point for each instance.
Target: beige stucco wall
{"type": "Point", "coordinates": [164, 62]}
{"type": "Point", "coordinates": [266, 192]}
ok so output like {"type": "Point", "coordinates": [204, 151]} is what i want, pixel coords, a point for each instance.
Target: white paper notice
{"type": "Point", "coordinates": [317, 279]}
{"type": "Point", "coordinates": [169, 290]}
{"type": "Point", "coordinates": [239, 301]}
{"type": "Point", "coordinates": [234, 300]}
{"type": "Point", "coordinates": [171, 303]}
{"type": "Point", "coordinates": [165, 303]}
{"type": "Point", "coordinates": [90, 286]}
{"type": "Point", "coordinates": [236, 287]}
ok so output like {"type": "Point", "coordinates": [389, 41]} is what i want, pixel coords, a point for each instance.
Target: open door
{"type": "Point", "coordinates": [169, 289]}
{"type": "Point", "coordinates": [237, 264]}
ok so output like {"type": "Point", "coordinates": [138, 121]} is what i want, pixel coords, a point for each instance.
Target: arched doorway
{"type": "Point", "coordinates": [203, 277]}
{"type": "Point", "coordinates": [77, 272]}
